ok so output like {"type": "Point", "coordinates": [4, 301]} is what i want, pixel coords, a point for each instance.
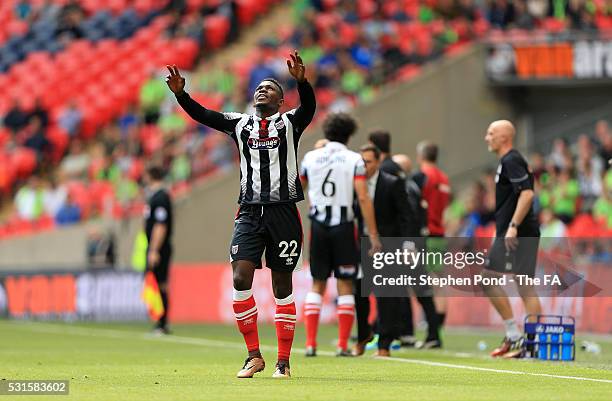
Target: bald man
{"type": "Point", "coordinates": [514, 249]}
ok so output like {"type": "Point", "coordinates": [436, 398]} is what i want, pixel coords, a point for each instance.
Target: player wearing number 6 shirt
{"type": "Point", "coordinates": [334, 175]}
{"type": "Point", "coordinates": [267, 220]}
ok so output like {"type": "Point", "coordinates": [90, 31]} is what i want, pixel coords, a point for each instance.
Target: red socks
{"type": "Point", "coordinates": [285, 326]}
{"type": "Point", "coordinates": [245, 311]}
{"type": "Point", "coordinates": [346, 315]}
{"type": "Point", "coordinates": [312, 311]}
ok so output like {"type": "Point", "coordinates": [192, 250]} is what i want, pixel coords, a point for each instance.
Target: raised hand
{"type": "Point", "coordinates": [175, 82]}
{"type": "Point", "coordinates": [296, 69]}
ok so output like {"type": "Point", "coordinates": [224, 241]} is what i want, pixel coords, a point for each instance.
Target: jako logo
{"type": "Point", "coordinates": [263, 143]}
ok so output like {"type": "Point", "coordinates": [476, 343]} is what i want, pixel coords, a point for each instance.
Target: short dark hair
{"type": "Point", "coordinates": [275, 82]}
{"type": "Point", "coordinates": [156, 173]}
{"type": "Point", "coordinates": [339, 127]}
{"type": "Point", "coordinates": [428, 151]}
{"type": "Point", "coordinates": [382, 140]}
{"type": "Point", "coordinates": [370, 148]}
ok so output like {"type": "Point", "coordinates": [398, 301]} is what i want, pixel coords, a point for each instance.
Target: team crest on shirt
{"type": "Point", "coordinates": [234, 249]}
{"type": "Point", "coordinates": [263, 143]}
{"type": "Point", "coordinates": [280, 124]}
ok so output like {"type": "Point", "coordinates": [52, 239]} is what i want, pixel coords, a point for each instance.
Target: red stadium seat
{"type": "Point", "coordinates": [247, 11]}
{"type": "Point", "coordinates": [44, 223]}
{"type": "Point", "coordinates": [325, 97]}
{"type": "Point", "coordinates": [216, 28]}
{"type": "Point", "coordinates": [583, 226]}
{"type": "Point", "coordinates": [24, 161]}
{"type": "Point", "coordinates": [553, 25]}
{"type": "Point", "coordinates": [5, 135]}
{"type": "Point", "coordinates": [59, 139]}
{"type": "Point", "coordinates": [365, 8]}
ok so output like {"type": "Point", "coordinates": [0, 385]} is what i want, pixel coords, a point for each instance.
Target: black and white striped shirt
{"type": "Point", "coordinates": [267, 147]}
{"type": "Point", "coordinates": [331, 172]}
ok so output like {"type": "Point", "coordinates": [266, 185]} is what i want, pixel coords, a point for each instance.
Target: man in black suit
{"type": "Point", "coordinates": [393, 219]}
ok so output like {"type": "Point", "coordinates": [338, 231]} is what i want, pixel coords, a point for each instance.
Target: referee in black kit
{"type": "Point", "coordinates": [515, 247]}
{"type": "Point", "coordinates": [158, 228]}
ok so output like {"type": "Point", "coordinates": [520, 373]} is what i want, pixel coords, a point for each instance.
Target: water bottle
{"type": "Point", "coordinates": [542, 346]}
{"type": "Point", "coordinates": [566, 348]}
{"type": "Point", "coordinates": [554, 347]}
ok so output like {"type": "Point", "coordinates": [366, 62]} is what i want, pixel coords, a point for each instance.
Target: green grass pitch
{"type": "Point", "coordinates": [199, 362]}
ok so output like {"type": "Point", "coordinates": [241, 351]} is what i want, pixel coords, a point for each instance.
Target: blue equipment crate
{"type": "Point", "coordinates": [551, 337]}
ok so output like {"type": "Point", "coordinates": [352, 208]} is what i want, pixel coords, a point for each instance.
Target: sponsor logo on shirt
{"type": "Point", "coordinates": [263, 143]}
{"type": "Point", "coordinates": [280, 124]}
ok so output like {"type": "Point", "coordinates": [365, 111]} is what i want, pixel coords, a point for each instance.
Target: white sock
{"type": "Point", "coordinates": [242, 295]}
{"type": "Point", "coordinates": [512, 330]}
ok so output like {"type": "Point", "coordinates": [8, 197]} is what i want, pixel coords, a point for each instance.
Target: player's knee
{"type": "Point", "coordinates": [282, 290]}
{"type": "Point", "coordinates": [241, 281]}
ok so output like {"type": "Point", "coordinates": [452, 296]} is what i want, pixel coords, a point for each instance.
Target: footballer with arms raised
{"type": "Point", "coordinates": [268, 219]}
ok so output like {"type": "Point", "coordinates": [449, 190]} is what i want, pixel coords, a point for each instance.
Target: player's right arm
{"type": "Point", "coordinates": [210, 118]}
{"type": "Point", "coordinates": [367, 211]}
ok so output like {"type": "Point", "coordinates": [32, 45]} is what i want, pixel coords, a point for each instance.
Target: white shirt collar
{"type": "Point", "coordinates": [272, 117]}
{"type": "Point", "coordinates": [335, 145]}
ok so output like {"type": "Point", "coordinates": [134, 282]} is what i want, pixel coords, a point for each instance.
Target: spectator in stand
{"type": "Point", "coordinates": [70, 18]}
{"type": "Point", "coordinates": [16, 118]}
{"type": "Point", "coordinates": [604, 142]}
{"type": "Point", "coordinates": [76, 164]}
{"type": "Point", "coordinates": [590, 169]}
{"type": "Point", "coordinates": [29, 199]}
{"type": "Point", "coordinates": [602, 209]}
{"type": "Point", "coordinates": [128, 120]}
{"type": "Point", "coordinates": [561, 156]}
{"type": "Point", "coordinates": [500, 13]}
{"type": "Point", "coordinates": [23, 10]}
{"type": "Point", "coordinates": [39, 112]}
{"type": "Point", "coordinates": [70, 119]}
{"type": "Point", "coordinates": [111, 138]}
{"type": "Point", "coordinates": [538, 165]}
{"type": "Point", "coordinates": [522, 19]}
{"type": "Point", "coordinates": [553, 230]}
{"type": "Point", "coordinates": [578, 16]}
{"type": "Point", "coordinates": [55, 195]}
{"type": "Point", "coordinates": [562, 196]}
{"type": "Point", "coordinates": [69, 213]}
{"type": "Point", "coordinates": [36, 139]}
{"type": "Point", "coordinates": [538, 8]}
{"type": "Point", "coordinates": [468, 10]}
{"type": "Point", "coordinates": [152, 95]}
{"type": "Point", "coordinates": [260, 71]}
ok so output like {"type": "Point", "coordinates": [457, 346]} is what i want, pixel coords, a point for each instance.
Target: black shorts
{"type": "Point", "coordinates": [333, 249]}
{"type": "Point", "coordinates": [275, 229]}
{"type": "Point", "coordinates": [522, 260]}
{"type": "Point", "coordinates": [161, 270]}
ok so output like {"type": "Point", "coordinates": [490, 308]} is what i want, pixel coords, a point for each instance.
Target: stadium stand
{"type": "Point", "coordinates": [93, 70]}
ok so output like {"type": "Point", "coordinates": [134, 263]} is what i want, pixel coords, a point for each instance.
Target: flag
{"type": "Point", "coordinates": [152, 297]}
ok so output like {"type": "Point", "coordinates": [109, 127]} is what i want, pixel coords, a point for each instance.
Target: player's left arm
{"type": "Point", "coordinates": [522, 183]}
{"type": "Point", "coordinates": [305, 112]}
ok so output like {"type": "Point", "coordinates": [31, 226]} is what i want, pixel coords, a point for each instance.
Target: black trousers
{"type": "Point", "coordinates": [362, 311]}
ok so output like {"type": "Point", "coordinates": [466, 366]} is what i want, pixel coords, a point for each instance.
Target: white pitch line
{"type": "Point", "coordinates": [63, 329]}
